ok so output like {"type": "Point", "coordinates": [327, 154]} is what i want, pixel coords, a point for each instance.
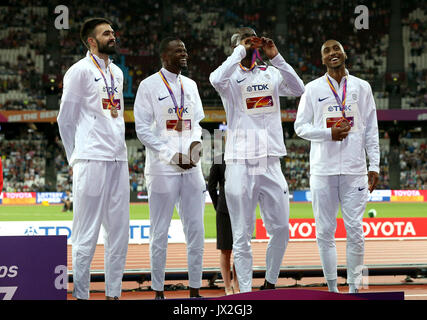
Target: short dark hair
{"type": "Point", "coordinates": [164, 44]}
{"type": "Point", "coordinates": [89, 26]}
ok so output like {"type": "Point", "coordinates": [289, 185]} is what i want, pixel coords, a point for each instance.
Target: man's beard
{"type": "Point", "coordinates": [106, 49]}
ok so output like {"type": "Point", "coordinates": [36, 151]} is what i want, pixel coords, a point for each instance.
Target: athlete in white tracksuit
{"type": "Point", "coordinates": [171, 182]}
{"type": "Point", "coordinates": [338, 171]}
{"type": "Point", "coordinates": [94, 142]}
{"type": "Point", "coordinates": [253, 147]}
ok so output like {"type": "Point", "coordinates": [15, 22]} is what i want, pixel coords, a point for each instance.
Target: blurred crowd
{"type": "Point", "coordinates": [206, 27]}
{"type": "Point", "coordinates": [24, 164]}
{"type": "Point", "coordinates": [413, 165]}
{"type": "Point", "coordinates": [22, 47]}
{"type": "Point", "coordinates": [296, 166]}
{"type": "Point", "coordinates": [325, 20]}
{"type": "Point", "coordinates": [136, 173]}
{"type": "Point", "coordinates": [417, 26]}
{"type": "Point", "coordinates": [415, 86]}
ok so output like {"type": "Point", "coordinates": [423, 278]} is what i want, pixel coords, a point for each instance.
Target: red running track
{"type": "Point", "coordinates": [298, 253]}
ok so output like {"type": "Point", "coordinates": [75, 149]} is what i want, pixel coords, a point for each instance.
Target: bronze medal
{"type": "Point", "coordinates": [114, 112]}
{"type": "Point", "coordinates": [343, 123]}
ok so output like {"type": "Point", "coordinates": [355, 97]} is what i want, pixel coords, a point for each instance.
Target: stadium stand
{"type": "Point", "coordinates": [414, 33]}
{"type": "Point", "coordinates": [64, 173]}
{"type": "Point", "coordinates": [136, 158]}
{"type": "Point", "coordinates": [24, 161]}
{"type": "Point", "coordinates": [413, 164]}
{"type": "Point", "coordinates": [296, 165]}
{"type": "Point", "coordinates": [304, 40]}
{"type": "Point", "coordinates": [22, 53]}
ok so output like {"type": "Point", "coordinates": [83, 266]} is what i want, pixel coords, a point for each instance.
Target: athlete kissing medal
{"type": "Point", "coordinates": [343, 122]}
{"type": "Point", "coordinates": [179, 110]}
{"type": "Point", "coordinates": [112, 106]}
{"type": "Point", "coordinates": [256, 43]}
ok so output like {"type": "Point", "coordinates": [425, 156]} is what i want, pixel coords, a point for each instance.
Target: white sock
{"type": "Point", "coordinates": [332, 285]}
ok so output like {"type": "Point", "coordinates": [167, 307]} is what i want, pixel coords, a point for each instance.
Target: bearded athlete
{"type": "Point", "coordinates": [92, 130]}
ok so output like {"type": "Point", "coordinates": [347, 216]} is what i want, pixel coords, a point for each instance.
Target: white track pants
{"type": "Point", "coordinates": [328, 193]}
{"type": "Point", "coordinates": [187, 193]}
{"type": "Point", "coordinates": [244, 188]}
{"type": "Point", "coordinates": [101, 197]}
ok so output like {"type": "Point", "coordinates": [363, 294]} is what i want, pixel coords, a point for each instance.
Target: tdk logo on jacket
{"type": "Point", "coordinates": [110, 90]}
{"type": "Point", "coordinates": [338, 108]}
{"type": "Point", "coordinates": [257, 87]}
{"type": "Point", "coordinates": [173, 110]}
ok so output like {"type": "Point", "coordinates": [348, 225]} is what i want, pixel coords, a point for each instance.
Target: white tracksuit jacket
{"type": "Point", "coordinates": [88, 131]}
{"type": "Point", "coordinates": [251, 101]}
{"type": "Point", "coordinates": [154, 111]}
{"type": "Point", "coordinates": [316, 112]}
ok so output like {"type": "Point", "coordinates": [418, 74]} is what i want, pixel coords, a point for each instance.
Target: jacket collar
{"type": "Point", "coordinates": [170, 76]}
{"type": "Point", "coordinates": [99, 60]}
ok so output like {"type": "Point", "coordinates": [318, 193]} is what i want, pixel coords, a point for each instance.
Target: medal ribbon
{"type": "Point", "coordinates": [179, 110]}
{"type": "Point", "coordinates": [341, 102]}
{"type": "Point", "coordinates": [110, 94]}
{"type": "Point", "coordinates": [255, 55]}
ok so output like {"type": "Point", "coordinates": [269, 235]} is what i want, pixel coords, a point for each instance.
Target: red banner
{"type": "Point", "coordinates": [374, 228]}
{"type": "Point", "coordinates": [19, 198]}
{"type": "Point", "coordinates": [408, 196]}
